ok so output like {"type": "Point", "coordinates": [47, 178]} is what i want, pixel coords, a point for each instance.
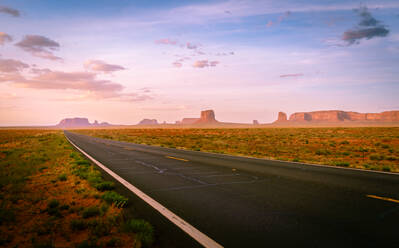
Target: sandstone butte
{"type": "Point", "coordinates": [80, 122]}
{"type": "Point", "coordinates": [148, 122]}
{"type": "Point", "coordinates": [207, 117]}
{"type": "Point", "coordinates": [339, 116]}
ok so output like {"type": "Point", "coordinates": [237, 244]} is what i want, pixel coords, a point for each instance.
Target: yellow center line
{"type": "Point", "coordinates": [383, 198]}
{"type": "Point", "coordinates": [181, 159]}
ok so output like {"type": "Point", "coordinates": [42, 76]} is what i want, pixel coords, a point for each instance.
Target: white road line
{"type": "Point", "coordinates": [186, 227]}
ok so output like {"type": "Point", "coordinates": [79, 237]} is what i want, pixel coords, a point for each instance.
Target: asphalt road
{"type": "Point", "coordinates": [247, 202]}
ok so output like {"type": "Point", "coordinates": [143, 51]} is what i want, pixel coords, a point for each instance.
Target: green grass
{"type": "Point", "coordinates": [90, 212]}
{"type": "Point", "coordinates": [112, 197]}
{"type": "Point", "coordinates": [143, 229]}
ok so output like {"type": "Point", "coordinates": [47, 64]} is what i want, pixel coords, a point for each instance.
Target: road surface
{"type": "Point", "coordinates": [248, 202]}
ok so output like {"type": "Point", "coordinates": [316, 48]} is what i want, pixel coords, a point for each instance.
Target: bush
{"type": "Point", "coordinates": [376, 157]}
{"type": "Point", "coordinates": [54, 203]}
{"type": "Point", "coordinates": [78, 225]}
{"type": "Point", "coordinates": [90, 212]}
{"type": "Point", "coordinates": [342, 164]}
{"type": "Point", "coordinates": [104, 185]}
{"type": "Point", "coordinates": [111, 197]}
{"type": "Point", "coordinates": [323, 152]}
{"type": "Point", "coordinates": [99, 228]}
{"type": "Point", "coordinates": [62, 177]}
{"type": "Point", "coordinates": [143, 229]}
{"type": "Point", "coordinates": [386, 168]}
{"type": "Point", "coordinates": [6, 215]}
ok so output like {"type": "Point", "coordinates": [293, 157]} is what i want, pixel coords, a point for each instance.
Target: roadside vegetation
{"type": "Point", "coordinates": [51, 196]}
{"type": "Point", "coordinates": [372, 148]}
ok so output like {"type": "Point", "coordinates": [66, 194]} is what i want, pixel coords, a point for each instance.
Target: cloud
{"type": "Point", "coordinates": [9, 11]}
{"type": "Point", "coordinates": [191, 45]}
{"type": "Point", "coordinates": [353, 36]}
{"type": "Point", "coordinates": [204, 63]}
{"type": "Point", "coordinates": [291, 75]}
{"type": "Point", "coordinates": [177, 64]}
{"type": "Point", "coordinates": [101, 66]}
{"type": "Point", "coordinates": [86, 82]}
{"type": "Point", "coordinates": [368, 28]}
{"type": "Point", "coordinates": [201, 64]}
{"type": "Point", "coordinates": [166, 41]}
{"type": "Point", "coordinates": [4, 38]}
{"type": "Point", "coordinates": [281, 18]}
{"type": "Point", "coordinates": [39, 46]}
{"type": "Point", "coordinates": [12, 66]}
{"type": "Point", "coordinates": [214, 63]}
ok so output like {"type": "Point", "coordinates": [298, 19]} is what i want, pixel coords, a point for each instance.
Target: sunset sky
{"type": "Point", "coordinates": [122, 61]}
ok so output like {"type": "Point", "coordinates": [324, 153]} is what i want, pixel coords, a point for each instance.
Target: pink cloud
{"type": "Point", "coordinates": [292, 75]}
{"type": "Point", "coordinates": [214, 63]}
{"type": "Point", "coordinates": [39, 46]}
{"type": "Point", "coordinates": [191, 45]}
{"type": "Point", "coordinates": [166, 41]}
{"type": "Point", "coordinates": [4, 38]}
{"type": "Point", "coordinates": [86, 82]}
{"type": "Point", "coordinates": [12, 65]}
{"type": "Point", "coordinates": [177, 64]}
{"type": "Point", "coordinates": [101, 66]}
{"type": "Point", "coordinates": [204, 63]}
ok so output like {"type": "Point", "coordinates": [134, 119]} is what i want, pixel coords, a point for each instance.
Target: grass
{"type": "Point", "coordinates": [143, 230]}
{"type": "Point", "coordinates": [51, 196]}
{"type": "Point", "coordinates": [374, 148]}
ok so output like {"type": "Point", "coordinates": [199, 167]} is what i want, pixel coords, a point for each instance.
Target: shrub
{"type": "Point", "coordinates": [143, 229]}
{"type": "Point", "coordinates": [54, 203]}
{"type": "Point", "coordinates": [342, 164]}
{"type": "Point", "coordinates": [345, 142]}
{"type": "Point", "coordinates": [105, 185]}
{"type": "Point", "coordinates": [386, 168]}
{"type": "Point", "coordinates": [6, 215]}
{"type": "Point", "coordinates": [99, 228]}
{"type": "Point", "coordinates": [323, 152]}
{"type": "Point", "coordinates": [376, 157]}
{"type": "Point", "coordinates": [111, 197]}
{"type": "Point", "coordinates": [83, 162]}
{"type": "Point", "coordinates": [62, 177]}
{"type": "Point", "coordinates": [77, 225]}
{"type": "Point", "coordinates": [90, 212]}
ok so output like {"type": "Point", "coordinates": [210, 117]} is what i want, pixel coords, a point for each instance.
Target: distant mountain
{"type": "Point", "coordinates": [148, 122]}
{"type": "Point", "coordinates": [335, 116]}
{"type": "Point", "coordinates": [80, 122]}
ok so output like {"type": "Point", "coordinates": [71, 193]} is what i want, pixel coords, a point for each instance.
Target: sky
{"type": "Point", "coordinates": [123, 61]}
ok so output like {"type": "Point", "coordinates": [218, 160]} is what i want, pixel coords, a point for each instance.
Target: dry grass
{"type": "Point", "coordinates": [374, 148]}
{"type": "Point", "coordinates": [45, 199]}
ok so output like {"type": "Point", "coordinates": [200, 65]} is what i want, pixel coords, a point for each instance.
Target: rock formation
{"type": "Point", "coordinates": [255, 122]}
{"type": "Point", "coordinates": [341, 116]}
{"type": "Point", "coordinates": [282, 116]}
{"type": "Point", "coordinates": [148, 122]}
{"type": "Point", "coordinates": [207, 117]}
{"type": "Point", "coordinates": [79, 122]}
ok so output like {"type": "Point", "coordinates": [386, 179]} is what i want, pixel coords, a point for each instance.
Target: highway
{"type": "Point", "coordinates": [249, 202]}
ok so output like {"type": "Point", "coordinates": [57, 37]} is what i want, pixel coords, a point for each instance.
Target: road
{"type": "Point", "coordinates": [248, 202]}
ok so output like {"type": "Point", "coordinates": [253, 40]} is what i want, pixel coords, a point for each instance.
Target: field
{"type": "Point", "coordinates": [372, 148]}
{"type": "Point", "coordinates": [51, 196]}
